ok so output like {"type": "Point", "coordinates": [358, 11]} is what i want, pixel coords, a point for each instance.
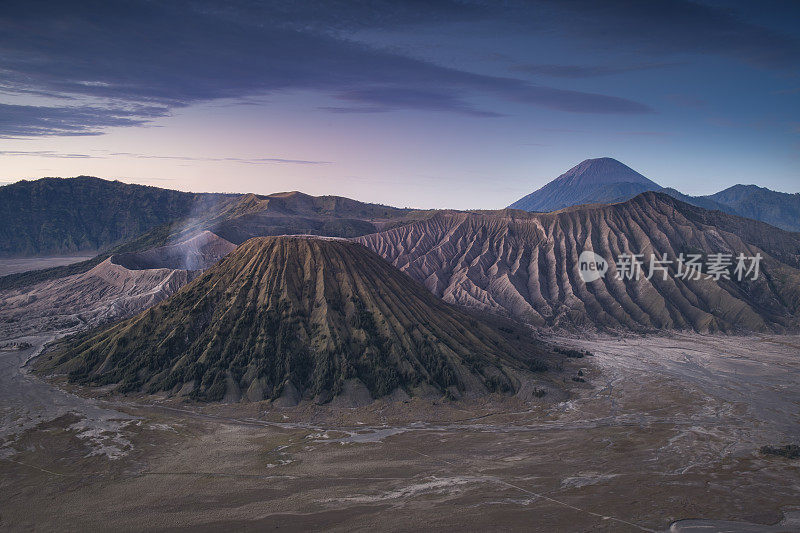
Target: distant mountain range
{"type": "Point", "coordinates": [779, 209]}
{"type": "Point", "coordinates": [287, 318]}
{"type": "Point", "coordinates": [606, 180]}
{"type": "Point", "coordinates": [509, 262]}
{"type": "Point", "coordinates": [80, 212]}
{"type": "Point", "coordinates": [57, 216]}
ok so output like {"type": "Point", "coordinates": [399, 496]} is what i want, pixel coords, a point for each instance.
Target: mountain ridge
{"type": "Point", "coordinates": [525, 266]}
{"type": "Point", "coordinates": [234, 217]}
{"type": "Point", "coordinates": [63, 216]}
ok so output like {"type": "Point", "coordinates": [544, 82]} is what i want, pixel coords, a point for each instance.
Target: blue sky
{"type": "Point", "coordinates": [427, 104]}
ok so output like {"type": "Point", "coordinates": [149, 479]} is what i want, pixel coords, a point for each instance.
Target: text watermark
{"type": "Point", "coordinates": [717, 266]}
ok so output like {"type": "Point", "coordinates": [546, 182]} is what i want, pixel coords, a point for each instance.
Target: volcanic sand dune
{"type": "Point", "coordinates": [526, 266]}
{"type": "Point", "coordinates": [295, 317]}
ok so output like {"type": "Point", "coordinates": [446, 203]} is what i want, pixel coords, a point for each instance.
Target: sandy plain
{"type": "Point", "coordinates": [664, 435]}
{"type": "Point", "coordinates": [24, 264]}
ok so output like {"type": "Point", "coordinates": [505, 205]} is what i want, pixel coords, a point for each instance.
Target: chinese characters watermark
{"type": "Point", "coordinates": [716, 266]}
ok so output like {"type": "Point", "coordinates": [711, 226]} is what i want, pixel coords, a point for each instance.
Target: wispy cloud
{"type": "Point", "coordinates": [111, 155]}
{"type": "Point", "coordinates": [636, 133]}
{"type": "Point", "coordinates": [29, 120]}
{"type": "Point", "coordinates": [44, 153]}
{"type": "Point", "coordinates": [587, 71]}
{"type": "Point", "coordinates": [391, 98]}
{"type": "Point", "coordinates": [687, 100]}
{"type": "Point", "coordinates": [246, 160]}
{"type": "Point", "coordinates": [643, 133]}
{"type": "Point", "coordinates": [196, 52]}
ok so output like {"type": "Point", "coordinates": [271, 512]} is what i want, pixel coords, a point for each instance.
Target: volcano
{"type": "Point", "coordinates": [602, 180]}
{"type": "Point", "coordinates": [288, 318]}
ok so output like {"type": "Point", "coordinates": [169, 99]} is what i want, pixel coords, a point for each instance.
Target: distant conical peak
{"type": "Point", "coordinates": [600, 180]}
{"type": "Point", "coordinates": [601, 170]}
